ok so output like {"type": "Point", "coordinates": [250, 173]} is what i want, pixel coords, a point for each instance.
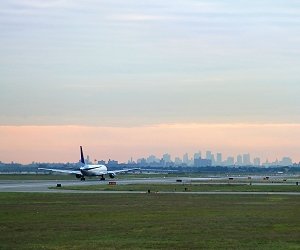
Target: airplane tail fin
{"type": "Point", "coordinates": [81, 156]}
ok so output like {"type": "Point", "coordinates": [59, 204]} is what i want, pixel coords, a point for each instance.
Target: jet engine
{"type": "Point", "coordinates": [112, 175]}
{"type": "Point", "coordinates": [79, 176]}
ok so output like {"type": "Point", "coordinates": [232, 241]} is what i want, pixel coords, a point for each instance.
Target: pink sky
{"type": "Point", "coordinates": [25, 144]}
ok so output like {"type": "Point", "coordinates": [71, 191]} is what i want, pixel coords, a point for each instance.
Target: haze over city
{"type": "Point", "coordinates": [133, 78]}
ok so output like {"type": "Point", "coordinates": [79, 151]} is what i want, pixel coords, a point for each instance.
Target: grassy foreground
{"type": "Point", "coordinates": [148, 221]}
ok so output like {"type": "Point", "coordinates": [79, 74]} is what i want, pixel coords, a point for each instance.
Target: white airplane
{"type": "Point", "coordinates": [90, 170]}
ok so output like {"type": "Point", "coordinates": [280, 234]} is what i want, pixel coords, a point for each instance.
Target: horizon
{"type": "Point", "coordinates": [126, 77]}
{"type": "Point", "coordinates": [25, 144]}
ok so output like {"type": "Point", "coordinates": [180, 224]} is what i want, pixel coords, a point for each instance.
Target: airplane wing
{"type": "Point", "coordinates": [122, 171]}
{"type": "Point", "coordinates": [61, 170]}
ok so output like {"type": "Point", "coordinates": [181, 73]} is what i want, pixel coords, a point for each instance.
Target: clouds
{"type": "Point", "coordinates": [124, 67]}
{"type": "Point", "coordinates": [37, 4]}
{"type": "Point", "coordinates": [148, 62]}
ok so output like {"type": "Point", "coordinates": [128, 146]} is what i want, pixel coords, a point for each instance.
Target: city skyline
{"type": "Point", "coordinates": [215, 159]}
{"type": "Point", "coordinates": [60, 144]}
{"type": "Point", "coordinates": [124, 78]}
{"type": "Point", "coordinates": [246, 160]}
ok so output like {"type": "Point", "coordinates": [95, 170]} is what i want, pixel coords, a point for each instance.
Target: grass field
{"type": "Point", "coordinates": [188, 188]}
{"type": "Point", "coordinates": [148, 221]}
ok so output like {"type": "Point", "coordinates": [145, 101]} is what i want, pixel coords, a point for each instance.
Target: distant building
{"type": "Point", "coordinates": [167, 158]}
{"type": "Point", "coordinates": [219, 159]}
{"type": "Point", "coordinates": [202, 162]}
{"type": "Point", "coordinates": [267, 163]}
{"type": "Point", "coordinates": [185, 158]}
{"type": "Point", "coordinates": [112, 163]}
{"type": "Point", "coordinates": [256, 161]}
{"type": "Point", "coordinates": [213, 161]}
{"type": "Point", "coordinates": [131, 161]}
{"type": "Point", "coordinates": [178, 161]}
{"type": "Point", "coordinates": [246, 159]}
{"type": "Point", "coordinates": [230, 161]}
{"type": "Point", "coordinates": [197, 155]}
{"type": "Point", "coordinates": [239, 160]}
{"type": "Point", "coordinates": [102, 162]}
{"type": "Point", "coordinates": [87, 160]}
{"type": "Point", "coordinates": [286, 161]}
{"type": "Point", "coordinates": [152, 158]}
{"type": "Point", "coordinates": [142, 161]}
{"type": "Point", "coordinates": [208, 155]}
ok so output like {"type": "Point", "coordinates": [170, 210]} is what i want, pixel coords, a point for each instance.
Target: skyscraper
{"type": "Point", "coordinates": [286, 161]}
{"type": "Point", "coordinates": [230, 161]}
{"type": "Point", "coordinates": [208, 155]}
{"type": "Point", "coordinates": [185, 158]}
{"type": "Point", "coordinates": [197, 155]}
{"type": "Point", "coordinates": [239, 160]}
{"type": "Point", "coordinates": [256, 161]}
{"type": "Point", "coordinates": [219, 159]}
{"type": "Point", "coordinates": [246, 159]}
{"type": "Point", "coordinates": [178, 161]}
{"type": "Point", "coordinates": [167, 158]}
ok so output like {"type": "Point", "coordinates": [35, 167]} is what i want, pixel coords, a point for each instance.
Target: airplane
{"type": "Point", "coordinates": [90, 170]}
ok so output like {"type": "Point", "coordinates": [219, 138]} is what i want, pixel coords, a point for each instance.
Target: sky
{"type": "Point", "coordinates": [134, 78]}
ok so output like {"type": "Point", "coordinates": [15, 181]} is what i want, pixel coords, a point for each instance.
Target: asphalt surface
{"type": "Point", "coordinates": [43, 185]}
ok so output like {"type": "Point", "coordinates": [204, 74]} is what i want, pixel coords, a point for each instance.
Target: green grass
{"type": "Point", "coordinates": [148, 221]}
{"type": "Point", "coordinates": [188, 188]}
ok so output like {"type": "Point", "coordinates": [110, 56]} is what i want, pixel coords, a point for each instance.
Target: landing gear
{"type": "Point", "coordinates": [102, 178]}
{"type": "Point", "coordinates": [82, 179]}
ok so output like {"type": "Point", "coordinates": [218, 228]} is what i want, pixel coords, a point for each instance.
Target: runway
{"type": "Point", "coordinates": [42, 186]}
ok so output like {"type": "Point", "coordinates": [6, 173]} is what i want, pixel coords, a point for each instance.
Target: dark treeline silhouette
{"type": "Point", "coordinates": [214, 170]}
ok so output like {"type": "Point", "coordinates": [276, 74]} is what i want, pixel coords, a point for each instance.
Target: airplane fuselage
{"type": "Point", "coordinates": [93, 170]}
